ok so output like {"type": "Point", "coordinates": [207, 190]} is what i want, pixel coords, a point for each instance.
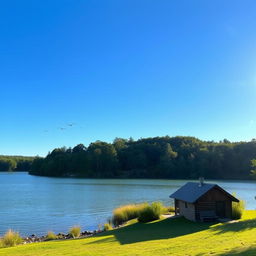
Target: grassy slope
{"type": "Point", "coordinates": [166, 237]}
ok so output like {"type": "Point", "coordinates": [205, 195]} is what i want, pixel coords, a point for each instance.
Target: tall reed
{"type": "Point", "coordinates": [127, 212]}
{"type": "Point", "coordinates": [11, 238]}
{"type": "Point", "coordinates": [151, 212]}
{"type": "Point", "coordinates": [238, 209]}
{"type": "Point", "coordinates": [75, 231]}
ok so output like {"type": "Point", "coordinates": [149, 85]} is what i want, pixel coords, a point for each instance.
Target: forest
{"type": "Point", "coordinates": [159, 157]}
{"type": "Point", "coordinates": [15, 163]}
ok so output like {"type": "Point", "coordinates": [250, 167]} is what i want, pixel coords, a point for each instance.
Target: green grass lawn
{"type": "Point", "coordinates": [173, 236]}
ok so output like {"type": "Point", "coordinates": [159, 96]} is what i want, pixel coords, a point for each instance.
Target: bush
{"type": "Point", "coordinates": [151, 212]}
{"type": "Point", "coordinates": [127, 212]}
{"type": "Point", "coordinates": [107, 227]}
{"type": "Point", "coordinates": [167, 209]}
{"type": "Point", "coordinates": [51, 236]}
{"type": "Point", "coordinates": [171, 209]}
{"type": "Point", "coordinates": [238, 209]}
{"type": "Point", "coordinates": [75, 231]}
{"type": "Point", "coordinates": [11, 238]}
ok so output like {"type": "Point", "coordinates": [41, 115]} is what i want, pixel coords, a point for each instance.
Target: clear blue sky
{"type": "Point", "coordinates": [125, 68]}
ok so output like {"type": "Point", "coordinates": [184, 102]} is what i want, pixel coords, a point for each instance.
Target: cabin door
{"type": "Point", "coordinates": [177, 207]}
{"type": "Point", "coordinates": [221, 209]}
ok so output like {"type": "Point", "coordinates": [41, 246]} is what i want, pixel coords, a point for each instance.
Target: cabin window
{"type": "Point", "coordinates": [186, 205]}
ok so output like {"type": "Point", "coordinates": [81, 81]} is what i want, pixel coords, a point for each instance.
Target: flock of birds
{"type": "Point", "coordinates": [69, 125]}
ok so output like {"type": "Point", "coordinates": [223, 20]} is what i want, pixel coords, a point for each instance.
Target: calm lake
{"type": "Point", "coordinates": [35, 205]}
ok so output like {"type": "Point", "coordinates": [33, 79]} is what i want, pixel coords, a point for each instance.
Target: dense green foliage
{"type": "Point", "coordinates": [159, 157]}
{"type": "Point", "coordinates": [253, 165]}
{"type": "Point", "coordinates": [150, 212]}
{"type": "Point", "coordinates": [15, 163]}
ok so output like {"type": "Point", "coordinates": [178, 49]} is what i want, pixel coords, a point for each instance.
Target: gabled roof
{"type": "Point", "coordinates": [192, 191]}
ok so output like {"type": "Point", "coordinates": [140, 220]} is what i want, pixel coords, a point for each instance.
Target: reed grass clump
{"type": "Point", "coordinates": [11, 238]}
{"type": "Point", "coordinates": [75, 231]}
{"type": "Point", "coordinates": [238, 209]}
{"type": "Point", "coordinates": [107, 227]}
{"type": "Point", "coordinates": [151, 212]}
{"type": "Point", "coordinates": [127, 212]}
{"type": "Point", "coordinates": [51, 236]}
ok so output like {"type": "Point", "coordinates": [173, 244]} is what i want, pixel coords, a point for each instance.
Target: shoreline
{"type": "Point", "coordinates": [136, 178]}
{"type": "Point", "coordinates": [141, 178]}
{"type": "Point", "coordinates": [60, 236]}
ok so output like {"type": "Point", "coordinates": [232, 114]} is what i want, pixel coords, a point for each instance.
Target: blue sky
{"type": "Point", "coordinates": [125, 68]}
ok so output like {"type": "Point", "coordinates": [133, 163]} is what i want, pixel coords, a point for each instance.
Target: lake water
{"type": "Point", "coordinates": [31, 204]}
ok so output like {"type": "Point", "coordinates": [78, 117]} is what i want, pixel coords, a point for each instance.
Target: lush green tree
{"type": "Point", "coordinates": [167, 162]}
{"type": "Point", "coordinates": [103, 159]}
{"type": "Point", "coordinates": [79, 148]}
{"type": "Point", "coordinates": [159, 157]}
{"type": "Point", "coordinates": [253, 165]}
{"type": "Point", "coordinates": [15, 163]}
{"type": "Point", "coordinates": [119, 143]}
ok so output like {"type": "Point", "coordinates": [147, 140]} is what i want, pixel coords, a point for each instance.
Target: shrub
{"type": "Point", "coordinates": [75, 231]}
{"type": "Point", "coordinates": [151, 212]}
{"type": "Point", "coordinates": [171, 209]}
{"type": "Point", "coordinates": [167, 209]}
{"type": "Point", "coordinates": [51, 236]}
{"type": "Point", "coordinates": [127, 212]}
{"type": "Point", "coordinates": [237, 209]}
{"type": "Point", "coordinates": [11, 238]}
{"type": "Point", "coordinates": [107, 227]}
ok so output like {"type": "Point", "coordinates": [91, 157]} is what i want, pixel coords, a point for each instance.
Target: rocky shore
{"type": "Point", "coordinates": [61, 236]}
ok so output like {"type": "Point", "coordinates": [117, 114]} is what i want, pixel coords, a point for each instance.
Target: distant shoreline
{"type": "Point", "coordinates": [122, 178]}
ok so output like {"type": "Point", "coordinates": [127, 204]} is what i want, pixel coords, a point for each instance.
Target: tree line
{"type": "Point", "coordinates": [15, 163]}
{"type": "Point", "coordinates": [159, 157]}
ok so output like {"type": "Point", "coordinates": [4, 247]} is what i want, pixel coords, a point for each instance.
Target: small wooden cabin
{"type": "Point", "coordinates": [203, 201]}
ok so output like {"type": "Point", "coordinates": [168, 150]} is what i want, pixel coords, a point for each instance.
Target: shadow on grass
{"type": "Point", "coordinates": [251, 251]}
{"type": "Point", "coordinates": [236, 226]}
{"type": "Point", "coordinates": [167, 228]}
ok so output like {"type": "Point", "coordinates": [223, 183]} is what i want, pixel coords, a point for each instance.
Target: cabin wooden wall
{"type": "Point", "coordinates": [208, 202]}
{"type": "Point", "coordinates": [215, 195]}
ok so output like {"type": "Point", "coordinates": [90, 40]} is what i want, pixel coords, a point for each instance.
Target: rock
{"type": "Point", "coordinates": [35, 239]}
{"type": "Point", "coordinates": [86, 233]}
{"type": "Point", "coordinates": [68, 236]}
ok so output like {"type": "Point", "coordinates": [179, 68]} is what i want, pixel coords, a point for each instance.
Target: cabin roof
{"type": "Point", "coordinates": [192, 191]}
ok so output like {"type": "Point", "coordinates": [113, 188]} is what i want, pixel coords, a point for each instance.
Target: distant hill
{"type": "Point", "coordinates": [159, 157]}
{"type": "Point", "coordinates": [15, 163]}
